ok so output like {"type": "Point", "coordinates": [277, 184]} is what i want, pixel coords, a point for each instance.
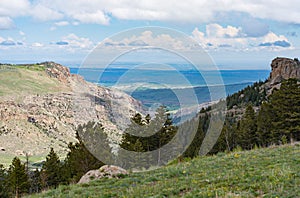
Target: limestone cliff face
{"type": "Point", "coordinates": [35, 122]}
{"type": "Point", "coordinates": [284, 68]}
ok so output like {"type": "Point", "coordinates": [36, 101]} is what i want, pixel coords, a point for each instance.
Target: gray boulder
{"type": "Point", "coordinates": [106, 171]}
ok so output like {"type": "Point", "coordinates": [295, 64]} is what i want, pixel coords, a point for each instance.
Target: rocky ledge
{"type": "Point", "coordinates": [283, 69]}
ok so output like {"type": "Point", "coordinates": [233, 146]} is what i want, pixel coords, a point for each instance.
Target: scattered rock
{"type": "Point", "coordinates": [106, 171]}
{"type": "Point", "coordinates": [2, 149]}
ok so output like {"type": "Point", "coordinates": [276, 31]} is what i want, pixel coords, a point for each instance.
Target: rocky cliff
{"type": "Point", "coordinates": [284, 68]}
{"type": "Point", "coordinates": [35, 117]}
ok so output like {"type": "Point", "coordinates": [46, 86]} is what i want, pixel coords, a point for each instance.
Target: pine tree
{"type": "Point", "coordinates": [35, 181]}
{"type": "Point", "coordinates": [160, 131]}
{"type": "Point", "coordinates": [264, 135]}
{"type": "Point", "coordinates": [3, 182]}
{"type": "Point", "coordinates": [17, 179]}
{"type": "Point", "coordinates": [144, 135]}
{"type": "Point", "coordinates": [285, 103]}
{"type": "Point", "coordinates": [247, 131]}
{"type": "Point", "coordinates": [51, 169]}
{"type": "Point", "coordinates": [79, 161]}
{"type": "Point", "coordinates": [227, 139]}
{"type": "Point", "coordinates": [202, 127]}
{"type": "Point", "coordinates": [194, 148]}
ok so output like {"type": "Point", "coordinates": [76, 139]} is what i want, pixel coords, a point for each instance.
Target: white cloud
{"type": "Point", "coordinates": [96, 17]}
{"type": "Point", "coordinates": [217, 37]}
{"type": "Point", "coordinates": [62, 23]}
{"type": "Point", "coordinates": [100, 11]}
{"type": "Point", "coordinates": [272, 37]}
{"type": "Point", "coordinates": [43, 13]}
{"type": "Point", "coordinates": [96, 11]}
{"type": "Point", "coordinates": [75, 41]}
{"type": "Point", "coordinates": [13, 8]}
{"type": "Point", "coordinates": [6, 23]}
{"type": "Point", "coordinates": [92, 11]}
{"type": "Point", "coordinates": [37, 45]}
{"type": "Point", "coordinates": [216, 30]}
{"type": "Point", "coordinates": [6, 43]}
{"type": "Point", "coordinates": [147, 38]}
{"type": "Point", "coordinates": [59, 24]}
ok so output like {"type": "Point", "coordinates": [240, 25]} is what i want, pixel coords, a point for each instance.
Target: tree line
{"type": "Point", "coordinates": [18, 180]}
{"type": "Point", "coordinates": [276, 121]}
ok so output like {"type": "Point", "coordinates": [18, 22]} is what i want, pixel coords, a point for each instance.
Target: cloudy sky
{"type": "Point", "coordinates": [238, 34]}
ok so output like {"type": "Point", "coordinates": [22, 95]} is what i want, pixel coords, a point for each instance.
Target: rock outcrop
{"type": "Point", "coordinates": [35, 122]}
{"type": "Point", "coordinates": [106, 171]}
{"type": "Point", "coordinates": [57, 71]}
{"type": "Point", "coordinates": [284, 68]}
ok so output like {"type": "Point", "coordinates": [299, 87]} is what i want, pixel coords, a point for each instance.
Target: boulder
{"type": "Point", "coordinates": [106, 171]}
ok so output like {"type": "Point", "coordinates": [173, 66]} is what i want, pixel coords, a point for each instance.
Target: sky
{"type": "Point", "coordinates": [237, 34]}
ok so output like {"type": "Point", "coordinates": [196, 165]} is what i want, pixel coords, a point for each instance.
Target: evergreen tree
{"type": "Point", "coordinates": [79, 161]}
{"type": "Point", "coordinates": [285, 103]}
{"type": "Point", "coordinates": [264, 133]}
{"type": "Point", "coordinates": [160, 131]}
{"type": "Point", "coordinates": [3, 182]}
{"type": "Point", "coordinates": [17, 179]}
{"type": "Point", "coordinates": [247, 131]}
{"type": "Point", "coordinates": [35, 181]}
{"type": "Point", "coordinates": [51, 169]}
{"type": "Point", "coordinates": [144, 135]}
{"type": "Point", "coordinates": [227, 139]}
{"type": "Point", "coordinates": [194, 148]}
{"type": "Point", "coordinates": [202, 125]}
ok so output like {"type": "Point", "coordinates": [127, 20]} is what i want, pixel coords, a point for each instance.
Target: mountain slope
{"type": "Point", "coordinates": [41, 105]}
{"type": "Point", "coordinates": [270, 172]}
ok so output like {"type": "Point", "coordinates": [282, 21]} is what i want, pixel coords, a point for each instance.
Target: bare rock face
{"type": "Point", "coordinates": [283, 69]}
{"type": "Point", "coordinates": [40, 121]}
{"type": "Point", "coordinates": [106, 171]}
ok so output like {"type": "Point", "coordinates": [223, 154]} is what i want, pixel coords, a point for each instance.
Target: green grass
{"type": "Point", "coordinates": [23, 80]}
{"type": "Point", "coordinates": [270, 172]}
{"type": "Point", "coordinates": [34, 161]}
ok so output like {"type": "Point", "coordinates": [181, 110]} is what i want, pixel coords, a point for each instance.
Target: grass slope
{"type": "Point", "coordinates": [17, 81]}
{"type": "Point", "coordinates": [270, 172]}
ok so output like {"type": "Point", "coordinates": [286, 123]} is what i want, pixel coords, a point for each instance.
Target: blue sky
{"type": "Point", "coordinates": [237, 34]}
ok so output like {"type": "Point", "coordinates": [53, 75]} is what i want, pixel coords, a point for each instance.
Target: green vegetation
{"type": "Point", "coordinates": [18, 81]}
{"type": "Point", "coordinates": [52, 170]}
{"type": "Point", "coordinates": [265, 121]}
{"type": "Point", "coordinates": [277, 121]}
{"type": "Point", "coordinates": [17, 178]}
{"type": "Point", "coordinates": [148, 134]}
{"type": "Point", "coordinates": [256, 173]}
{"type": "Point", "coordinates": [20, 178]}
{"type": "Point", "coordinates": [253, 94]}
{"type": "Point", "coordinates": [79, 160]}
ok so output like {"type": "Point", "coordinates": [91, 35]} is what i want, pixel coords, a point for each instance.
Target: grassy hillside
{"type": "Point", "coordinates": [20, 80]}
{"type": "Point", "coordinates": [270, 172]}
